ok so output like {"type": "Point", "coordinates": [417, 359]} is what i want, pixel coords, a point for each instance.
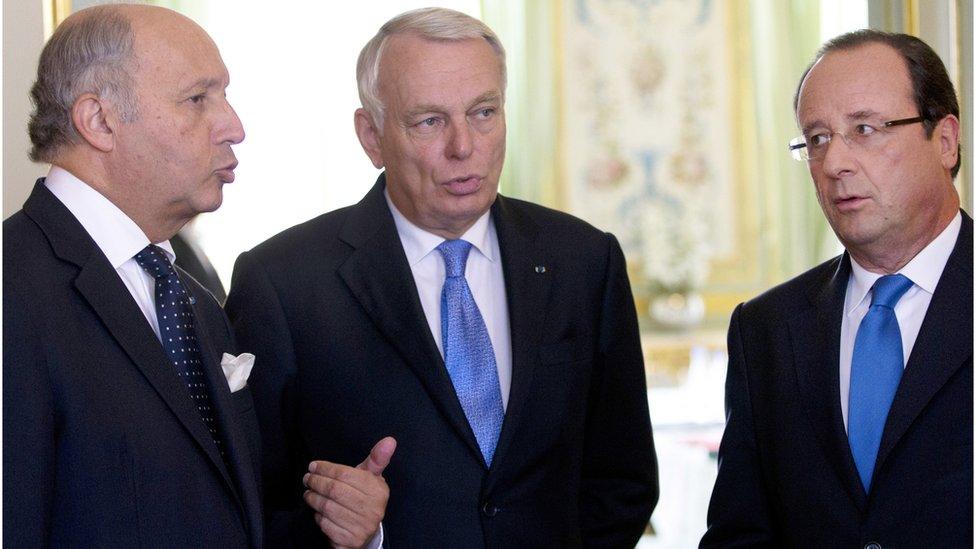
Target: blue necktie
{"type": "Point", "coordinates": [468, 353]}
{"type": "Point", "coordinates": [876, 368]}
{"type": "Point", "coordinates": [178, 334]}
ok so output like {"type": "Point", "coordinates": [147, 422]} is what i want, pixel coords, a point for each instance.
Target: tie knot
{"type": "Point", "coordinates": [889, 289]}
{"type": "Point", "coordinates": [455, 254]}
{"type": "Point", "coordinates": [153, 260]}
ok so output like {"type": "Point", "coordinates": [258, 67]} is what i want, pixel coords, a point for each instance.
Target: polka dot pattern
{"type": "Point", "coordinates": [178, 334]}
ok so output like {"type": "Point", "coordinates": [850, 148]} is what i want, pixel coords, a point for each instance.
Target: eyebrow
{"type": "Point", "coordinates": [487, 97]}
{"type": "Point", "coordinates": [862, 114]}
{"type": "Point", "coordinates": [855, 116]}
{"type": "Point", "coordinates": [205, 83]}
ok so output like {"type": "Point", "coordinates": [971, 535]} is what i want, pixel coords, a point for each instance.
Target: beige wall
{"type": "Point", "coordinates": [23, 37]}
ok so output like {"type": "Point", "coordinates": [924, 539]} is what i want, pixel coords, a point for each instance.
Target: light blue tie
{"type": "Point", "coordinates": [468, 354]}
{"type": "Point", "coordinates": [876, 368]}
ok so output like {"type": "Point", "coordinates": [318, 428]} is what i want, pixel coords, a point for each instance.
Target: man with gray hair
{"type": "Point", "coordinates": [120, 428]}
{"type": "Point", "coordinates": [496, 340]}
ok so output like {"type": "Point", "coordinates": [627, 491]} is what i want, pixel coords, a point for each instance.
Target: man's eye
{"type": "Point", "coordinates": [818, 140]}
{"type": "Point", "coordinates": [864, 129]}
{"type": "Point", "coordinates": [198, 98]}
{"type": "Point", "coordinates": [428, 122]}
{"type": "Point", "coordinates": [487, 112]}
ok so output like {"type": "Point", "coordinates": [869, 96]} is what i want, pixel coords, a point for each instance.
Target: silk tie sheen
{"type": "Point", "coordinates": [468, 354]}
{"type": "Point", "coordinates": [876, 368]}
{"type": "Point", "coordinates": [177, 332]}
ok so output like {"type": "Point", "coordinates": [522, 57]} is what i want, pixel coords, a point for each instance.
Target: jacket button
{"type": "Point", "coordinates": [873, 545]}
{"type": "Point", "coordinates": [490, 510]}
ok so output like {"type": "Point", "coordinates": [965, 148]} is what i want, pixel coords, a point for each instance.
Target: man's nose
{"type": "Point", "coordinates": [839, 158]}
{"type": "Point", "coordinates": [229, 128]}
{"type": "Point", "coordinates": [461, 140]}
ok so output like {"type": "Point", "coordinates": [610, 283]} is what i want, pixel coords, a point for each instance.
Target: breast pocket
{"type": "Point", "coordinates": [243, 405]}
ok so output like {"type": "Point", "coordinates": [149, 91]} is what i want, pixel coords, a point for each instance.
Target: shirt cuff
{"type": "Point", "coordinates": [377, 540]}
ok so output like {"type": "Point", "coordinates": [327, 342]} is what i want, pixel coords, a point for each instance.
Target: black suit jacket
{"type": "Point", "coordinates": [345, 357]}
{"type": "Point", "coordinates": [786, 475]}
{"type": "Point", "coordinates": [102, 446]}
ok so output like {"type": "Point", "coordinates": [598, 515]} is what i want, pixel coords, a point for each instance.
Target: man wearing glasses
{"type": "Point", "coordinates": [849, 394]}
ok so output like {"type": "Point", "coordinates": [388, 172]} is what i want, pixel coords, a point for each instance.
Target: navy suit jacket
{"type": "Point", "coordinates": [346, 357]}
{"type": "Point", "coordinates": [786, 475]}
{"type": "Point", "coordinates": [102, 445]}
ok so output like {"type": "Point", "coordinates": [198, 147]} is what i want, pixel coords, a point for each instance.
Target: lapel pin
{"type": "Point", "coordinates": [540, 269]}
{"type": "Point", "coordinates": [193, 300]}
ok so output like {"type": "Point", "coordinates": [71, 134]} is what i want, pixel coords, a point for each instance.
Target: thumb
{"type": "Point", "coordinates": [379, 456]}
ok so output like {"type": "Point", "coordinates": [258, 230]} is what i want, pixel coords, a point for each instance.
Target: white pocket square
{"type": "Point", "coordinates": [237, 369]}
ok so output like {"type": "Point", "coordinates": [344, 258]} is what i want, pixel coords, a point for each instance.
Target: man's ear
{"type": "Point", "coordinates": [947, 132]}
{"type": "Point", "coordinates": [369, 137]}
{"type": "Point", "coordinates": [92, 121]}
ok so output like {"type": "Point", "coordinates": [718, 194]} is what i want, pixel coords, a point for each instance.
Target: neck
{"type": "Point", "coordinates": [92, 171]}
{"type": "Point", "coordinates": [888, 258]}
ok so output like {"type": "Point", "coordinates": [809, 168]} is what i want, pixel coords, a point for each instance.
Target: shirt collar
{"type": "Point", "coordinates": [418, 243]}
{"type": "Point", "coordinates": [115, 233]}
{"type": "Point", "coordinates": [924, 270]}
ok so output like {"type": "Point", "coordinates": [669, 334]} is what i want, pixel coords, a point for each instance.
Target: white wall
{"type": "Point", "coordinates": [23, 37]}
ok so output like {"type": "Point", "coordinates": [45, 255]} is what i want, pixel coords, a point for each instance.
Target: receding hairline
{"type": "Point", "coordinates": [383, 56]}
{"type": "Point", "coordinates": [856, 48]}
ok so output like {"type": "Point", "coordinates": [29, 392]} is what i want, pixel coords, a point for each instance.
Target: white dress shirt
{"type": "Point", "coordinates": [484, 276]}
{"type": "Point", "coordinates": [115, 234]}
{"type": "Point", "coordinates": [924, 270]}
{"type": "Point", "coordinates": [120, 239]}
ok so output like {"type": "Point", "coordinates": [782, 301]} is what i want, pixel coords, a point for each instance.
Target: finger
{"type": "Point", "coordinates": [339, 536]}
{"type": "Point", "coordinates": [379, 457]}
{"type": "Point", "coordinates": [357, 524]}
{"type": "Point", "coordinates": [348, 495]}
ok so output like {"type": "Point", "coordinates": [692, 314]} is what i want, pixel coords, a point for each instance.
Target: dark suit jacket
{"type": "Point", "coordinates": [102, 446]}
{"type": "Point", "coordinates": [345, 357]}
{"type": "Point", "coordinates": [786, 476]}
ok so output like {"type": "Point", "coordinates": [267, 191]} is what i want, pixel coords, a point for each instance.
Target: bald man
{"type": "Point", "coordinates": [119, 426]}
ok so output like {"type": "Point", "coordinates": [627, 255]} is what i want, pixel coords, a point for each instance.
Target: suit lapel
{"type": "Point", "coordinates": [816, 349]}
{"type": "Point", "coordinates": [101, 287]}
{"type": "Point", "coordinates": [236, 444]}
{"type": "Point", "coordinates": [379, 277]}
{"type": "Point", "coordinates": [937, 354]}
{"type": "Point", "coordinates": [527, 292]}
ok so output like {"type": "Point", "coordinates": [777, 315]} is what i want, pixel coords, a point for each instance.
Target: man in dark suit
{"type": "Point", "coordinates": [119, 426]}
{"type": "Point", "coordinates": [496, 340]}
{"type": "Point", "coordinates": [850, 388]}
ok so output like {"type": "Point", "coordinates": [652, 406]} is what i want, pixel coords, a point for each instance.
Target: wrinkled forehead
{"type": "Point", "coordinates": [413, 56]}
{"type": "Point", "coordinates": [872, 78]}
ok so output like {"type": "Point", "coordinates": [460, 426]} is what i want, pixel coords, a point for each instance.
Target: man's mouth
{"type": "Point", "coordinates": [226, 173]}
{"type": "Point", "coordinates": [463, 185]}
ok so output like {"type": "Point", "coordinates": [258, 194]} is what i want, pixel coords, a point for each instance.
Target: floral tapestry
{"type": "Point", "coordinates": [646, 133]}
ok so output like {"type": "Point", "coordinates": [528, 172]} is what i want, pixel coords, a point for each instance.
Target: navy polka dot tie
{"type": "Point", "coordinates": [178, 334]}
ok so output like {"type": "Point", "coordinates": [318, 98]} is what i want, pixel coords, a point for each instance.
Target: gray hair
{"type": "Point", "coordinates": [90, 53]}
{"type": "Point", "coordinates": [438, 24]}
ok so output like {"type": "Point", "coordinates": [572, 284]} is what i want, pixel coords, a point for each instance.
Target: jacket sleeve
{"type": "Point", "coordinates": [260, 327]}
{"type": "Point", "coordinates": [738, 514]}
{"type": "Point", "coordinates": [29, 447]}
{"type": "Point", "coordinates": [619, 485]}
